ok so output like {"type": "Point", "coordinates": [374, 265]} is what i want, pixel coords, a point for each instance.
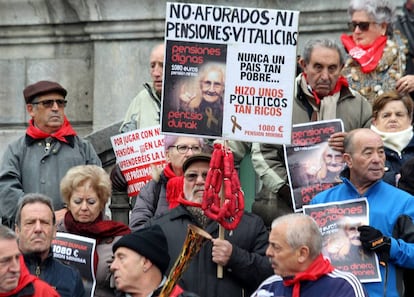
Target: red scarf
{"type": "Point", "coordinates": [319, 267]}
{"type": "Point", "coordinates": [341, 82]}
{"type": "Point", "coordinates": [98, 229]}
{"type": "Point", "coordinates": [24, 279]}
{"type": "Point", "coordinates": [65, 130]}
{"type": "Point", "coordinates": [174, 186]}
{"type": "Point", "coordinates": [368, 56]}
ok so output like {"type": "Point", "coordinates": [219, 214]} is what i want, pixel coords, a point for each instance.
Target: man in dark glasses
{"type": "Point", "coordinates": [36, 162]}
{"type": "Point", "coordinates": [241, 252]}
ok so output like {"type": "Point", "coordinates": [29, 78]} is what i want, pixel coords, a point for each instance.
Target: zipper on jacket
{"type": "Point", "coordinates": [37, 272]}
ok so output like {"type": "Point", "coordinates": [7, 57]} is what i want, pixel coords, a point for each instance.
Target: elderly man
{"type": "Point", "coordinates": [144, 110]}
{"type": "Point", "coordinates": [15, 279]}
{"type": "Point", "coordinates": [321, 93]}
{"type": "Point", "coordinates": [295, 245]}
{"type": "Point", "coordinates": [36, 162]}
{"type": "Point", "coordinates": [365, 158]}
{"type": "Point", "coordinates": [241, 252]}
{"type": "Point", "coordinates": [36, 228]}
{"type": "Point", "coordinates": [140, 261]}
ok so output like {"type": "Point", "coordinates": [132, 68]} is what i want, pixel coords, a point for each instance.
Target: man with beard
{"type": "Point", "coordinates": [241, 252]}
{"type": "Point", "coordinates": [36, 228]}
{"type": "Point", "coordinates": [15, 279]}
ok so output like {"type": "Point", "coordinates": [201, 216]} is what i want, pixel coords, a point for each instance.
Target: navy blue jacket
{"type": "Point", "coordinates": [64, 278]}
{"type": "Point", "coordinates": [393, 162]}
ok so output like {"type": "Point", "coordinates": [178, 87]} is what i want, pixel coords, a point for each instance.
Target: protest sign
{"type": "Point", "coordinates": [137, 152]}
{"type": "Point", "coordinates": [338, 222]}
{"type": "Point", "coordinates": [77, 251]}
{"type": "Point", "coordinates": [312, 166]}
{"type": "Point", "coordinates": [229, 72]}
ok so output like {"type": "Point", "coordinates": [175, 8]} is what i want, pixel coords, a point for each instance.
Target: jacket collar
{"type": "Point", "coordinates": [70, 139]}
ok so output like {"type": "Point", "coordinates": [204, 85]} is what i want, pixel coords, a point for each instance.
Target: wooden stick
{"type": "Point", "coordinates": [221, 236]}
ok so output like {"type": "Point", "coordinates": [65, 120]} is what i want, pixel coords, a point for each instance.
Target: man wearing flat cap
{"type": "Point", "coordinates": [241, 252]}
{"type": "Point", "coordinates": [37, 161]}
{"type": "Point", "coordinates": [140, 262]}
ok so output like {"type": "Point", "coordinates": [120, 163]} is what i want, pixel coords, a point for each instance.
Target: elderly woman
{"type": "Point", "coordinates": [376, 53]}
{"type": "Point", "coordinates": [86, 189]}
{"type": "Point", "coordinates": [160, 193]}
{"type": "Point", "coordinates": [332, 163]}
{"type": "Point", "coordinates": [391, 119]}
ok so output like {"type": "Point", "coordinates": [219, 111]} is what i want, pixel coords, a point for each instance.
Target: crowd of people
{"type": "Point", "coordinates": [52, 180]}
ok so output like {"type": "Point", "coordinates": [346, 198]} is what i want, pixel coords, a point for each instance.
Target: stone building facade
{"type": "Point", "coordinates": [98, 50]}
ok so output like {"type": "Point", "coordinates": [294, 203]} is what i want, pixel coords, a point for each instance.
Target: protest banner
{"type": "Point", "coordinates": [229, 72]}
{"type": "Point", "coordinates": [77, 251]}
{"type": "Point", "coordinates": [338, 222]}
{"type": "Point", "coordinates": [312, 166]}
{"type": "Point", "coordinates": [137, 152]}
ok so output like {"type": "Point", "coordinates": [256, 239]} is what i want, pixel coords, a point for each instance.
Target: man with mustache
{"type": "Point", "coordinates": [15, 279]}
{"type": "Point", "coordinates": [295, 252]}
{"type": "Point", "coordinates": [37, 161]}
{"type": "Point", "coordinates": [321, 93]}
{"type": "Point", "coordinates": [241, 252]}
{"type": "Point", "coordinates": [365, 159]}
{"type": "Point", "coordinates": [36, 228]}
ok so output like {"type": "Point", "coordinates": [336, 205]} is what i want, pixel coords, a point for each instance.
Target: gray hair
{"type": "Point", "coordinates": [327, 43]}
{"type": "Point", "coordinates": [302, 231]}
{"type": "Point", "coordinates": [381, 11]}
{"type": "Point", "coordinates": [7, 233]}
{"type": "Point", "coordinates": [34, 198]}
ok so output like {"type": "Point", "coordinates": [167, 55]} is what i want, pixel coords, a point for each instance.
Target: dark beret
{"type": "Point", "coordinates": [194, 158]}
{"type": "Point", "coordinates": [42, 87]}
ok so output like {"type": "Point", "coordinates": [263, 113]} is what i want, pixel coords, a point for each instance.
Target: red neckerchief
{"type": "Point", "coordinates": [174, 186]}
{"type": "Point", "coordinates": [65, 130]}
{"type": "Point", "coordinates": [341, 82]}
{"type": "Point", "coordinates": [98, 229]}
{"type": "Point", "coordinates": [24, 279]}
{"type": "Point", "coordinates": [319, 267]}
{"type": "Point", "coordinates": [368, 56]}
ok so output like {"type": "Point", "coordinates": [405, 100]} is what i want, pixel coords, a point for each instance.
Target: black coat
{"type": "Point", "coordinates": [247, 267]}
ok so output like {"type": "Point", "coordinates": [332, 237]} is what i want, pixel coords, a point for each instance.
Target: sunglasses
{"type": "Point", "coordinates": [363, 26]}
{"type": "Point", "coordinates": [51, 102]}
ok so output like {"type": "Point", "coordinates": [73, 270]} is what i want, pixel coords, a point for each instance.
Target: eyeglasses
{"type": "Point", "coordinates": [192, 176]}
{"type": "Point", "coordinates": [363, 26]}
{"type": "Point", "coordinates": [182, 148]}
{"type": "Point", "coordinates": [51, 102]}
